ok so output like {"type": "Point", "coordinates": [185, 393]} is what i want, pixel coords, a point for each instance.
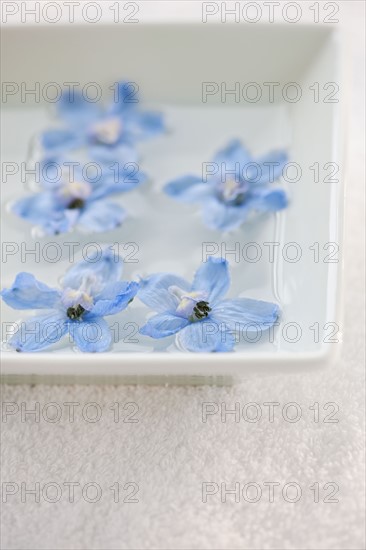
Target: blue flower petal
{"type": "Point", "coordinates": [123, 153]}
{"type": "Point", "coordinates": [60, 221]}
{"type": "Point", "coordinates": [189, 189]}
{"type": "Point", "coordinates": [114, 298]}
{"type": "Point", "coordinates": [50, 171]}
{"type": "Point", "coordinates": [205, 336]}
{"type": "Point", "coordinates": [125, 181]}
{"type": "Point", "coordinates": [222, 217]}
{"type": "Point", "coordinates": [98, 216]}
{"type": "Point", "coordinates": [92, 335]}
{"type": "Point", "coordinates": [253, 315]}
{"type": "Point", "coordinates": [125, 98]}
{"type": "Point", "coordinates": [39, 332]}
{"type": "Point", "coordinates": [141, 125]}
{"type": "Point", "coordinates": [56, 140]}
{"type": "Point", "coordinates": [154, 291]}
{"type": "Point", "coordinates": [267, 200]}
{"type": "Point", "coordinates": [136, 124]}
{"type": "Point", "coordinates": [28, 293]}
{"type": "Point", "coordinates": [35, 207]}
{"type": "Point", "coordinates": [213, 277]}
{"type": "Point", "coordinates": [105, 265]}
{"type": "Point", "coordinates": [43, 210]}
{"type": "Point", "coordinates": [163, 324]}
{"type": "Point", "coordinates": [269, 173]}
{"type": "Point", "coordinates": [233, 153]}
{"type": "Point", "coordinates": [76, 110]}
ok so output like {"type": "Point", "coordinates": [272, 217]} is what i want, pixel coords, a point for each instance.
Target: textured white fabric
{"type": "Point", "coordinates": [170, 452]}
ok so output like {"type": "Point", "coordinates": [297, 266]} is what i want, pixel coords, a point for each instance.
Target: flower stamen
{"type": "Point", "coordinates": [75, 312]}
{"type": "Point", "coordinates": [108, 131]}
{"type": "Point", "coordinates": [233, 192]}
{"type": "Point", "coordinates": [191, 305]}
{"type": "Point", "coordinates": [76, 204]}
{"type": "Point", "coordinates": [74, 194]}
{"type": "Point", "coordinates": [201, 310]}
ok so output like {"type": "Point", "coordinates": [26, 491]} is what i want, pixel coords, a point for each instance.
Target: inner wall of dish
{"type": "Point", "coordinates": [170, 65]}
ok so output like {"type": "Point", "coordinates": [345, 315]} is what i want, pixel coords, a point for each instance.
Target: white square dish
{"type": "Point", "coordinates": [171, 63]}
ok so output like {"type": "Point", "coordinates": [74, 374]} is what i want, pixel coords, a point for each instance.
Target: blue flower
{"type": "Point", "coordinates": [77, 202]}
{"type": "Point", "coordinates": [235, 186]}
{"type": "Point", "coordinates": [197, 312]}
{"type": "Point", "coordinates": [104, 131]}
{"type": "Point", "coordinates": [90, 290]}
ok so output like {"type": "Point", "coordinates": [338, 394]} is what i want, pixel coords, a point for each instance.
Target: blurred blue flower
{"type": "Point", "coordinates": [90, 290]}
{"type": "Point", "coordinates": [234, 186]}
{"type": "Point", "coordinates": [197, 312]}
{"type": "Point", "coordinates": [104, 131]}
{"type": "Point", "coordinates": [67, 202]}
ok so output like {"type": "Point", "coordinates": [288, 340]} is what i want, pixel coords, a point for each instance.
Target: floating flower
{"type": "Point", "coordinates": [69, 202]}
{"type": "Point", "coordinates": [90, 290]}
{"type": "Point", "coordinates": [104, 131]}
{"type": "Point", "coordinates": [235, 186]}
{"type": "Point", "coordinates": [197, 313]}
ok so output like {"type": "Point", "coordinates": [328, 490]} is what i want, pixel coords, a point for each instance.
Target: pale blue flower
{"type": "Point", "coordinates": [67, 203]}
{"type": "Point", "coordinates": [234, 186]}
{"type": "Point", "coordinates": [90, 290]}
{"type": "Point", "coordinates": [104, 131]}
{"type": "Point", "coordinates": [197, 312]}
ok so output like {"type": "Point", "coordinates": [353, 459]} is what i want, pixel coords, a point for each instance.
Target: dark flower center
{"type": "Point", "coordinates": [240, 199]}
{"type": "Point", "coordinates": [76, 204]}
{"type": "Point", "coordinates": [75, 312]}
{"type": "Point", "coordinates": [232, 192]}
{"type": "Point", "coordinates": [237, 200]}
{"type": "Point", "coordinates": [201, 310]}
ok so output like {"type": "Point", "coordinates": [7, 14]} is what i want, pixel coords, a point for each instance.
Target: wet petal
{"type": "Point", "coordinates": [142, 125]}
{"type": "Point", "coordinates": [189, 189]}
{"type": "Point", "coordinates": [267, 200]}
{"type": "Point", "coordinates": [57, 140]}
{"type": "Point", "coordinates": [104, 265]}
{"type": "Point", "coordinates": [269, 168]}
{"type": "Point", "coordinates": [233, 153]}
{"type": "Point", "coordinates": [51, 172]}
{"type": "Point", "coordinates": [163, 324]}
{"type": "Point", "coordinates": [213, 277]}
{"type": "Point", "coordinates": [28, 293]}
{"type": "Point", "coordinates": [123, 153]}
{"type": "Point", "coordinates": [43, 210]}
{"type": "Point", "coordinates": [125, 97]}
{"type": "Point", "coordinates": [205, 336]}
{"type": "Point", "coordinates": [92, 335]}
{"type": "Point", "coordinates": [100, 216]}
{"type": "Point", "coordinates": [114, 298]}
{"type": "Point", "coordinates": [60, 222]}
{"type": "Point", "coordinates": [39, 333]}
{"type": "Point", "coordinates": [35, 207]}
{"type": "Point", "coordinates": [252, 315]}
{"type": "Point", "coordinates": [76, 110]}
{"type": "Point", "coordinates": [154, 291]}
{"type": "Point", "coordinates": [223, 217]}
{"type": "Point", "coordinates": [124, 181]}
